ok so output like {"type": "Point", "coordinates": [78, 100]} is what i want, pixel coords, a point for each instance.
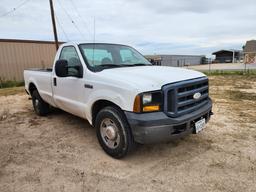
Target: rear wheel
{"type": "Point", "coordinates": [113, 132]}
{"type": "Point", "coordinates": [41, 108]}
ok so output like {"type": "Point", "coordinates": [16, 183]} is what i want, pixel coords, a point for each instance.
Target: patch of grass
{"type": "Point", "coordinates": [235, 81]}
{"type": "Point", "coordinates": [11, 91]}
{"type": "Point", "coordinates": [223, 73]}
{"type": "Point", "coordinates": [239, 95]}
{"type": "Point", "coordinates": [6, 84]}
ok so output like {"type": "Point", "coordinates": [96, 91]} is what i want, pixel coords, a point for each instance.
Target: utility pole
{"type": "Point", "coordinates": [54, 25]}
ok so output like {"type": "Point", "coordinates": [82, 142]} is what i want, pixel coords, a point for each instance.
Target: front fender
{"type": "Point", "coordinates": [122, 99]}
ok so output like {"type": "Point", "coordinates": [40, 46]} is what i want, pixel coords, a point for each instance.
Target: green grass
{"type": "Point", "coordinates": [11, 91]}
{"type": "Point", "coordinates": [223, 73]}
{"type": "Point", "coordinates": [238, 95]}
{"type": "Point", "coordinates": [7, 84]}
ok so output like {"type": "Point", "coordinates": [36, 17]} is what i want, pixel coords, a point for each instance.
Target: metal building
{"type": "Point", "coordinates": [17, 55]}
{"type": "Point", "coordinates": [228, 56]}
{"type": "Point", "coordinates": [176, 60]}
{"type": "Point", "coordinates": [250, 52]}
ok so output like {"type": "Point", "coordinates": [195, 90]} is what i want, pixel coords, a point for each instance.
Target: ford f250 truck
{"type": "Point", "coordinates": [121, 94]}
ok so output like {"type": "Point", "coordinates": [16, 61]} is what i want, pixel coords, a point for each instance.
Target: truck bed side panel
{"type": "Point", "coordinates": [43, 82]}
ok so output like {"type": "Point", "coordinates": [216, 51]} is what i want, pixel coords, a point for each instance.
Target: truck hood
{"type": "Point", "coordinates": [149, 77]}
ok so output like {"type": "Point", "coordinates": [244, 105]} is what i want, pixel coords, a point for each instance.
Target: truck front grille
{"type": "Point", "coordinates": [179, 97]}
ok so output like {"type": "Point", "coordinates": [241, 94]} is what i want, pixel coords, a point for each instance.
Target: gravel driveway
{"type": "Point", "coordinates": [60, 152]}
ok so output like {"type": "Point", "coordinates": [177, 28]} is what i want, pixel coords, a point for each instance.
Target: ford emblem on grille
{"type": "Point", "coordinates": [197, 95]}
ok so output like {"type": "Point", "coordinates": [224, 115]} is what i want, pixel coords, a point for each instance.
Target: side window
{"type": "Point", "coordinates": [70, 54]}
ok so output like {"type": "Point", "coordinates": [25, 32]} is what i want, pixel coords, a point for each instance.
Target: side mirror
{"type": "Point", "coordinates": [61, 68]}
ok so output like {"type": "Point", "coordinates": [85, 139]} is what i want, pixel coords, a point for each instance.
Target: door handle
{"type": "Point", "coordinates": [88, 86]}
{"type": "Point", "coordinates": [55, 81]}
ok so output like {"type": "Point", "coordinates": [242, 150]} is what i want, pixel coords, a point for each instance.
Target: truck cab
{"type": "Point", "coordinates": [121, 94]}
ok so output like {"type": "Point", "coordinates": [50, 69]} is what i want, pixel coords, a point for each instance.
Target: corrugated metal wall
{"type": "Point", "coordinates": [180, 60]}
{"type": "Point", "coordinates": [177, 60]}
{"type": "Point", "coordinates": [15, 56]}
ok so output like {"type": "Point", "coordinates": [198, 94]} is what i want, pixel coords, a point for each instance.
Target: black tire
{"type": "Point", "coordinates": [126, 142]}
{"type": "Point", "coordinates": [41, 108]}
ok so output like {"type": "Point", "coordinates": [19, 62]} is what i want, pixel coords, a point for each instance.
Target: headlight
{"type": "Point", "coordinates": [146, 98]}
{"type": "Point", "coordinates": [148, 102]}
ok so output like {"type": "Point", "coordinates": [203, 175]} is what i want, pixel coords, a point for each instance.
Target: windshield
{"type": "Point", "coordinates": [110, 55]}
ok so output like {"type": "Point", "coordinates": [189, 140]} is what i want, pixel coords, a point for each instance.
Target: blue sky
{"type": "Point", "coordinates": [153, 27]}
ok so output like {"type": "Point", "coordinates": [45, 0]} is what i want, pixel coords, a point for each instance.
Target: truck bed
{"type": "Point", "coordinates": [42, 79]}
{"type": "Point", "coordinates": [39, 69]}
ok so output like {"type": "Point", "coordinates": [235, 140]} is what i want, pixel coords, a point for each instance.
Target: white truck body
{"type": "Point", "coordinates": [119, 86]}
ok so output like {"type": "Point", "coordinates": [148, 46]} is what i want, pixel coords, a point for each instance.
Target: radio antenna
{"type": "Point", "coordinates": [93, 40]}
{"type": "Point", "coordinates": [94, 30]}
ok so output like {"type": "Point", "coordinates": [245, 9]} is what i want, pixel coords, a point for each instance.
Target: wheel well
{"type": "Point", "coordinates": [98, 105]}
{"type": "Point", "coordinates": [31, 88]}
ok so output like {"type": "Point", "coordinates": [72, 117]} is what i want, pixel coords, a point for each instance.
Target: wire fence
{"type": "Point", "coordinates": [239, 68]}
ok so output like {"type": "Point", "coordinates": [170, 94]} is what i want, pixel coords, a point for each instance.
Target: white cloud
{"type": "Point", "coordinates": [174, 26]}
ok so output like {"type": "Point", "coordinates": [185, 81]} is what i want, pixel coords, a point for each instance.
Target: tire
{"type": "Point", "coordinates": [41, 108]}
{"type": "Point", "coordinates": [113, 132]}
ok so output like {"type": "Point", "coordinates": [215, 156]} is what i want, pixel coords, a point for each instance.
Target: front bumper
{"type": "Point", "coordinates": [158, 127]}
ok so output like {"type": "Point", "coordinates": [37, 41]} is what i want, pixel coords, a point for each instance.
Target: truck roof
{"type": "Point", "coordinates": [82, 42]}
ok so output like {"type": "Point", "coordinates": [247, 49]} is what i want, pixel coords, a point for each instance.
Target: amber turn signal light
{"type": "Point", "coordinates": [151, 108]}
{"type": "Point", "coordinates": [137, 104]}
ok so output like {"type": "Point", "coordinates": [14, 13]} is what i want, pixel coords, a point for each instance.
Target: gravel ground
{"type": "Point", "coordinates": [60, 152]}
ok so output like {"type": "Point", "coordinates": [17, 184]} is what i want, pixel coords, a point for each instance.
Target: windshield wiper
{"type": "Point", "coordinates": [122, 65]}
{"type": "Point", "coordinates": [141, 64]}
{"type": "Point", "coordinates": [110, 65]}
{"type": "Point", "coordinates": [138, 64]}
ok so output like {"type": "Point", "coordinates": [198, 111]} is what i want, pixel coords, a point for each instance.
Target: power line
{"type": "Point", "coordinates": [61, 27]}
{"type": "Point", "coordinates": [15, 8]}
{"type": "Point", "coordinates": [70, 18]}
{"type": "Point", "coordinates": [82, 19]}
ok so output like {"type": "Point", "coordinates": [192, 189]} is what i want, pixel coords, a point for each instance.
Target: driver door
{"type": "Point", "coordinates": [68, 92]}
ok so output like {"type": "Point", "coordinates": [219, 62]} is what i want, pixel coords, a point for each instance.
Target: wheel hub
{"type": "Point", "coordinates": [110, 132]}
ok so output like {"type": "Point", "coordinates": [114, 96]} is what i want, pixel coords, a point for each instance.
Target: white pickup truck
{"type": "Point", "coordinates": [121, 94]}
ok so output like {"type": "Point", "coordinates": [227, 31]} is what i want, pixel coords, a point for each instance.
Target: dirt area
{"type": "Point", "coordinates": [60, 152]}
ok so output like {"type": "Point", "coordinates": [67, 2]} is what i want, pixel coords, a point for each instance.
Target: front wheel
{"type": "Point", "coordinates": [113, 132]}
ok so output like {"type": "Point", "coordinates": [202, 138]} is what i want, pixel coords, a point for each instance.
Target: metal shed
{"type": "Point", "coordinates": [17, 55]}
{"type": "Point", "coordinates": [227, 56]}
{"type": "Point", "coordinates": [177, 60]}
{"type": "Point", "coordinates": [250, 52]}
